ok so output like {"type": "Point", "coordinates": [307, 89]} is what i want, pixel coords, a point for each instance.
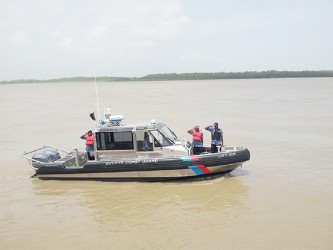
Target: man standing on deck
{"type": "Point", "coordinates": [89, 144]}
{"type": "Point", "coordinates": [197, 140]}
{"type": "Point", "coordinates": [217, 136]}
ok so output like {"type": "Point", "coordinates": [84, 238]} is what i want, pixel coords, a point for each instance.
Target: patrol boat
{"type": "Point", "coordinates": [135, 152]}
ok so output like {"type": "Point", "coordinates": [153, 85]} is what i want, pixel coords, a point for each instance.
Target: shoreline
{"type": "Point", "coordinates": [186, 76]}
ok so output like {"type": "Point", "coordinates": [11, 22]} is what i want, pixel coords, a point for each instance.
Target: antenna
{"type": "Point", "coordinates": [99, 117]}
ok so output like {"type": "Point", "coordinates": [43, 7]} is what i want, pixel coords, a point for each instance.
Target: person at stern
{"type": "Point", "coordinates": [89, 144]}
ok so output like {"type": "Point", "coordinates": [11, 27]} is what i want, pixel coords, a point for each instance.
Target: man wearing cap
{"type": "Point", "coordinates": [197, 140]}
{"type": "Point", "coordinates": [217, 136]}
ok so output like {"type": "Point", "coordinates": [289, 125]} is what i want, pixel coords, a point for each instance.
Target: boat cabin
{"type": "Point", "coordinates": [146, 140]}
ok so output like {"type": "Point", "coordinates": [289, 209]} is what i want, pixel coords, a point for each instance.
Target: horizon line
{"type": "Point", "coordinates": [168, 74]}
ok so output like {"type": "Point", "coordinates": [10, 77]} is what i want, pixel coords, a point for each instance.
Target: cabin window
{"type": "Point", "coordinates": [160, 140]}
{"type": "Point", "coordinates": [114, 140]}
{"type": "Point", "coordinates": [168, 134]}
{"type": "Point", "coordinates": [144, 141]}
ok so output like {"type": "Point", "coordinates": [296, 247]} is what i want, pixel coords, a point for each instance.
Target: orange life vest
{"type": "Point", "coordinates": [89, 140]}
{"type": "Point", "coordinates": [196, 135]}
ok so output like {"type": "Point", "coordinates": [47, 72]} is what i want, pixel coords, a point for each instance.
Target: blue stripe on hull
{"type": "Point", "coordinates": [196, 170]}
{"type": "Point", "coordinates": [186, 158]}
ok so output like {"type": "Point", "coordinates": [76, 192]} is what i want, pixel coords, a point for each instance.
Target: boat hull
{"type": "Point", "coordinates": [192, 167]}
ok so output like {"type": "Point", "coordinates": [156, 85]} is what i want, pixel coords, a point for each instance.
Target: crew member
{"type": "Point", "coordinates": [217, 136]}
{"type": "Point", "coordinates": [197, 140]}
{"type": "Point", "coordinates": [89, 144]}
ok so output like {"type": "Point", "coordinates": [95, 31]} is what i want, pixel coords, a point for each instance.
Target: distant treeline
{"type": "Point", "coordinates": [190, 76]}
{"type": "Point", "coordinates": [237, 75]}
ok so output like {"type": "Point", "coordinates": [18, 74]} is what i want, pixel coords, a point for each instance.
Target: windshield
{"type": "Point", "coordinates": [166, 132]}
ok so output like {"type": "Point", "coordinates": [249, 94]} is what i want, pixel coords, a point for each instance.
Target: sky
{"type": "Point", "coordinates": [47, 39]}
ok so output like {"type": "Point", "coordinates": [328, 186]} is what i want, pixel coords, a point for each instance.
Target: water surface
{"type": "Point", "coordinates": [281, 199]}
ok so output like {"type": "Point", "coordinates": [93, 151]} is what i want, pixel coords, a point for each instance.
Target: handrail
{"type": "Point", "coordinates": [76, 155]}
{"type": "Point", "coordinates": [45, 146]}
{"type": "Point", "coordinates": [29, 154]}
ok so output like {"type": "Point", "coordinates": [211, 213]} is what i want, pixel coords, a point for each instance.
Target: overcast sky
{"type": "Point", "coordinates": [44, 39]}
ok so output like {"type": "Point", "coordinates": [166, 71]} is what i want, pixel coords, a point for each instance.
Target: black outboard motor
{"type": "Point", "coordinates": [41, 157]}
{"type": "Point", "coordinates": [53, 154]}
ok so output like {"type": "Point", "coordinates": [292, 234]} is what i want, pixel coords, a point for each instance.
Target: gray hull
{"type": "Point", "coordinates": [147, 170]}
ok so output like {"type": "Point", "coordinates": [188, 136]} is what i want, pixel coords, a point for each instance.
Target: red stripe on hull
{"type": "Point", "coordinates": [194, 158]}
{"type": "Point", "coordinates": [203, 169]}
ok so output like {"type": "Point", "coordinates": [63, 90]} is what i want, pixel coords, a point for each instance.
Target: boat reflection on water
{"type": "Point", "coordinates": [130, 204]}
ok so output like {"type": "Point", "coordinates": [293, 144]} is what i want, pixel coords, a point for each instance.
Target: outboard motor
{"type": "Point", "coordinates": [40, 157]}
{"type": "Point", "coordinates": [53, 154]}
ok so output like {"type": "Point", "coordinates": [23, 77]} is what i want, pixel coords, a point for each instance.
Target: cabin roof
{"type": "Point", "coordinates": [128, 127]}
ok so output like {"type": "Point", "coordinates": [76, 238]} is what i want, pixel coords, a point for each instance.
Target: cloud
{"type": "Point", "coordinates": [61, 30]}
{"type": "Point", "coordinates": [18, 38]}
{"type": "Point", "coordinates": [55, 38]}
{"type": "Point", "coordinates": [152, 21]}
{"type": "Point", "coordinates": [98, 33]}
